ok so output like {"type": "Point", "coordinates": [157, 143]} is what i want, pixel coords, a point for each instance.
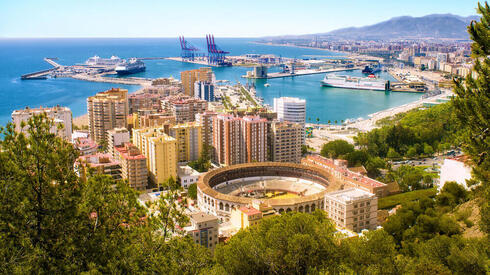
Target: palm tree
{"type": "Point", "coordinates": [329, 121]}
{"type": "Point", "coordinates": [309, 119]}
{"type": "Point", "coordinates": [336, 122]}
{"type": "Point", "coordinates": [342, 121]}
{"type": "Point", "coordinates": [317, 119]}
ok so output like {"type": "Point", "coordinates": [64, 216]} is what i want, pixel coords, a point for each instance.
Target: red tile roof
{"type": "Point", "coordinates": [248, 210]}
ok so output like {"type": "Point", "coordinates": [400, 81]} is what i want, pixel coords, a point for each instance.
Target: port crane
{"type": "Point", "coordinates": [189, 51]}
{"type": "Point", "coordinates": [216, 55]}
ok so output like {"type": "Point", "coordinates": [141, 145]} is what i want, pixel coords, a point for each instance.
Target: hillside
{"type": "Point", "coordinates": [441, 26]}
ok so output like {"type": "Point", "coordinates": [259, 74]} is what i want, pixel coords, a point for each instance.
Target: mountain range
{"type": "Point", "coordinates": [439, 26]}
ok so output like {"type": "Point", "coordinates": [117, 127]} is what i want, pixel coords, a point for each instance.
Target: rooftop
{"type": "Point", "coordinates": [202, 217]}
{"type": "Point", "coordinates": [346, 172]}
{"type": "Point", "coordinates": [41, 109]}
{"type": "Point", "coordinates": [249, 210]}
{"type": "Point", "coordinates": [350, 195]}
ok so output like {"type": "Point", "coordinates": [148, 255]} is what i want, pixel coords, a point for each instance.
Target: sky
{"type": "Point", "coordinates": [195, 18]}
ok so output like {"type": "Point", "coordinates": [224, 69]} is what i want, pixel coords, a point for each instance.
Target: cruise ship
{"type": "Point", "coordinates": [98, 61]}
{"type": "Point", "coordinates": [362, 83]}
{"type": "Point", "coordinates": [132, 66]}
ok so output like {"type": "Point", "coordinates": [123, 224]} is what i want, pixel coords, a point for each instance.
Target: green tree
{"type": "Point", "coordinates": [428, 149]}
{"type": "Point", "coordinates": [358, 157]}
{"type": "Point", "coordinates": [471, 105]}
{"type": "Point", "coordinates": [304, 149]}
{"type": "Point", "coordinates": [168, 214]}
{"type": "Point", "coordinates": [392, 154]}
{"type": "Point", "coordinates": [192, 191]}
{"type": "Point", "coordinates": [293, 243]}
{"type": "Point", "coordinates": [203, 163]}
{"type": "Point", "coordinates": [372, 253]}
{"type": "Point", "coordinates": [412, 152]}
{"type": "Point", "coordinates": [36, 175]}
{"type": "Point", "coordinates": [336, 148]}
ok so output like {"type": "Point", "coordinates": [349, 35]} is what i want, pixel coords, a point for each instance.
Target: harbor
{"type": "Point", "coordinates": [299, 73]}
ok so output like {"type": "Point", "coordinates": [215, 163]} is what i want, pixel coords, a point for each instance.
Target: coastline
{"type": "Point", "coordinates": [345, 54]}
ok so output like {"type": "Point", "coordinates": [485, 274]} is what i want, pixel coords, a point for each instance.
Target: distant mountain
{"type": "Point", "coordinates": [405, 27]}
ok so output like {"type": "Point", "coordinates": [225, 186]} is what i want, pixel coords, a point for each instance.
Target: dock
{"type": "Point", "coordinates": [126, 81]}
{"type": "Point", "coordinates": [302, 72]}
{"type": "Point", "coordinates": [44, 73]}
{"type": "Point", "coordinates": [200, 61]}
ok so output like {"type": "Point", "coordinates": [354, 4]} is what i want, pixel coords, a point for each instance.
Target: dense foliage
{"type": "Point", "coordinates": [52, 222]}
{"type": "Point", "coordinates": [415, 133]}
{"type": "Point", "coordinates": [472, 108]}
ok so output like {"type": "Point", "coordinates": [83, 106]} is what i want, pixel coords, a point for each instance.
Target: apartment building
{"type": "Point", "coordinates": [189, 141]}
{"type": "Point", "coordinates": [160, 151]}
{"type": "Point", "coordinates": [59, 115]}
{"type": "Point", "coordinates": [204, 229]}
{"type": "Point", "coordinates": [286, 139]}
{"type": "Point", "coordinates": [188, 79]}
{"type": "Point", "coordinates": [353, 209]}
{"type": "Point", "coordinates": [184, 108]}
{"type": "Point", "coordinates": [254, 130]}
{"type": "Point", "coordinates": [206, 121]}
{"type": "Point", "coordinates": [99, 163]}
{"type": "Point", "coordinates": [133, 165]}
{"type": "Point", "coordinates": [228, 140]}
{"type": "Point", "coordinates": [116, 137]}
{"type": "Point", "coordinates": [107, 110]}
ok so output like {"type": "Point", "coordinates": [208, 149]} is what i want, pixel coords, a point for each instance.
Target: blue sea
{"type": "Point", "coordinates": [21, 56]}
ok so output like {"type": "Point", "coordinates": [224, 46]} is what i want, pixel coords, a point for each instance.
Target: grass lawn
{"type": "Point", "coordinates": [394, 200]}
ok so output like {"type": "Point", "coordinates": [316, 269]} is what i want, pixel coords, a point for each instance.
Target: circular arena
{"type": "Point", "coordinates": [284, 186]}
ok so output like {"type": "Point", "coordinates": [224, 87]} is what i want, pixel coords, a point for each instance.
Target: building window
{"type": "Point", "coordinates": [355, 219]}
{"type": "Point", "coordinates": [355, 205]}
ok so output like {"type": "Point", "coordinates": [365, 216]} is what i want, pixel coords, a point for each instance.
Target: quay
{"type": "Point", "coordinates": [302, 72]}
{"type": "Point", "coordinates": [200, 61]}
{"type": "Point", "coordinates": [126, 81]}
{"type": "Point", "coordinates": [44, 73]}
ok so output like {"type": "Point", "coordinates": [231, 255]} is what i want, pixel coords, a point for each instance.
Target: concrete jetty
{"type": "Point", "coordinates": [302, 72]}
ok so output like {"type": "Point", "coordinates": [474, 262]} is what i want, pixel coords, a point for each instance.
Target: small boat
{"type": "Point", "coordinates": [267, 85]}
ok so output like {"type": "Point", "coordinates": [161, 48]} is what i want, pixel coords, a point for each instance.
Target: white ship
{"type": "Point", "coordinates": [362, 83]}
{"type": "Point", "coordinates": [96, 60]}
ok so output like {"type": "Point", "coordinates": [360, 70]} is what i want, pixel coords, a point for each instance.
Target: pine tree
{"type": "Point", "coordinates": [472, 106]}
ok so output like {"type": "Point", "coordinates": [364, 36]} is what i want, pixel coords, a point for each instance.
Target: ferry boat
{"type": "Point", "coordinates": [361, 83]}
{"type": "Point", "coordinates": [133, 66]}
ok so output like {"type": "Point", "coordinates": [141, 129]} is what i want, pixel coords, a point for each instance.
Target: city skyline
{"type": "Point", "coordinates": [195, 18]}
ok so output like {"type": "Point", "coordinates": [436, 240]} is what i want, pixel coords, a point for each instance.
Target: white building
{"type": "Point", "coordinates": [353, 209]}
{"type": "Point", "coordinates": [204, 229]}
{"type": "Point", "coordinates": [60, 115]}
{"type": "Point", "coordinates": [291, 109]}
{"type": "Point", "coordinates": [116, 137]}
{"type": "Point", "coordinates": [187, 175]}
{"type": "Point", "coordinates": [454, 170]}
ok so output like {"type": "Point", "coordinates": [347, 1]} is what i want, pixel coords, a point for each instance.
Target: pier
{"type": "Point", "coordinates": [44, 73]}
{"type": "Point", "coordinates": [302, 72]}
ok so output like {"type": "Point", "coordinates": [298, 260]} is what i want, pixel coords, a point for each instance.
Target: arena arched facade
{"type": "Point", "coordinates": [221, 190]}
